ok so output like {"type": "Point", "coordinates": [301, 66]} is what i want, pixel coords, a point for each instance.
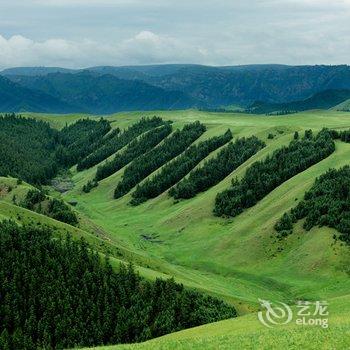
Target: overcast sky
{"type": "Point", "coordinates": [82, 33]}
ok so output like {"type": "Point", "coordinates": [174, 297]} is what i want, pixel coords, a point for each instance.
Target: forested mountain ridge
{"type": "Point", "coordinates": [94, 93]}
{"type": "Point", "coordinates": [16, 98]}
{"type": "Point", "coordinates": [164, 87]}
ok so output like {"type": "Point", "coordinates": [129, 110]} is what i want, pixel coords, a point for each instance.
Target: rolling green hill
{"type": "Point", "coordinates": [239, 260]}
{"type": "Point", "coordinates": [322, 100]}
{"type": "Point", "coordinates": [344, 106]}
{"type": "Point", "coordinates": [247, 332]}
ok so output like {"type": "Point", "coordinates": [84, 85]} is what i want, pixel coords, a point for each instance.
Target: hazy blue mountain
{"type": "Point", "coordinates": [244, 85]}
{"type": "Point", "coordinates": [15, 98]}
{"type": "Point", "coordinates": [94, 93]}
{"type": "Point", "coordinates": [35, 71]}
{"type": "Point", "coordinates": [109, 89]}
{"type": "Point", "coordinates": [322, 100]}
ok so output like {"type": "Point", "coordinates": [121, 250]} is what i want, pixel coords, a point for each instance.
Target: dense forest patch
{"type": "Point", "coordinates": [59, 294]}
{"type": "Point", "coordinates": [80, 139]}
{"type": "Point", "coordinates": [134, 149]}
{"type": "Point", "coordinates": [31, 150]}
{"type": "Point", "coordinates": [37, 201]}
{"type": "Point", "coordinates": [118, 141]}
{"type": "Point", "coordinates": [216, 169]}
{"type": "Point", "coordinates": [27, 149]}
{"type": "Point", "coordinates": [327, 203]}
{"type": "Point", "coordinates": [264, 176]}
{"type": "Point", "coordinates": [171, 173]}
{"type": "Point", "coordinates": [144, 165]}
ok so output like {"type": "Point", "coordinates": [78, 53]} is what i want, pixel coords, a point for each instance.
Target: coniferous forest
{"type": "Point", "coordinates": [177, 169]}
{"type": "Point", "coordinates": [33, 151]}
{"type": "Point", "coordinates": [27, 149]}
{"type": "Point", "coordinates": [134, 149]}
{"type": "Point", "coordinates": [79, 139]}
{"type": "Point", "coordinates": [118, 141]}
{"type": "Point", "coordinates": [327, 203]}
{"type": "Point", "coordinates": [144, 165]}
{"type": "Point", "coordinates": [58, 294]}
{"type": "Point", "coordinates": [37, 201]}
{"type": "Point", "coordinates": [264, 176]}
{"type": "Point", "coordinates": [216, 169]}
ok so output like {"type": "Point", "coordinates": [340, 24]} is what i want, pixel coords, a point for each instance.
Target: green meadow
{"type": "Point", "coordinates": [239, 260]}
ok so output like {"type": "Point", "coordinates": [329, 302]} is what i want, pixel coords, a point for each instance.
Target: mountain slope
{"type": "Point", "coordinates": [239, 260]}
{"type": "Point", "coordinates": [94, 93]}
{"type": "Point", "coordinates": [191, 85]}
{"type": "Point", "coordinates": [16, 98]}
{"type": "Point", "coordinates": [222, 86]}
{"type": "Point", "coordinates": [344, 106]}
{"type": "Point", "coordinates": [35, 71]}
{"type": "Point", "coordinates": [248, 333]}
{"type": "Point", "coordinates": [322, 100]}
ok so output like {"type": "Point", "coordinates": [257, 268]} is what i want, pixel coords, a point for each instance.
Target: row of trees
{"type": "Point", "coordinates": [59, 294]}
{"type": "Point", "coordinates": [174, 171]}
{"type": "Point", "coordinates": [327, 203]}
{"type": "Point", "coordinates": [118, 141]}
{"type": "Point", "coordinates": [33, 151]}
{"type": "Point", "coordinates": [37, 201]}
{"type": "Point", "coordinates": [216, 169]}
{"type": "Point", "coordinates": [144, 165]}
{"type": "Point", "coordinates": [342, 135]}
{"type": "Point", "coordinates": [79, 139]}
{"type": "Point", "coordinates": [134, 149]}
{"type": "Point", "coordinates": [264, 176]}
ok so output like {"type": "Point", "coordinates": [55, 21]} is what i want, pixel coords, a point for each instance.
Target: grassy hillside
{"type": "Point", "coordinates": [321, 100]}
{"type": "Point", "coordinates": [240, 259]}
{"type": "Point", "coordinates": [247, 332]}
{"type": "Point", "coordinates": [344, 106]}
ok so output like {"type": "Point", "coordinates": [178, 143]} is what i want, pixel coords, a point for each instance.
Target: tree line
{"type": "Point", "coordinates": [37, 201]}
{"type": "Point", "coordinates": [264, 176]}
{"type": "Point", "coordinates": [216, 169]}
{"type": "Point", "coordinates": [327, 203]}
{"type": "Point", "coordinates": [59, 294]}
{"type": "Point", "coordinates": [134, 149]}
{"type": "Point", "coordinates": [79, 139]}
{"type": "Point", "coordinates": [174, 171]}
{"type": "Point", "coordinates": [33, 151]}
{"type": "Point", "coordinates": [118, 141]}
{"type": "Point", "coordinates": [144, 165]}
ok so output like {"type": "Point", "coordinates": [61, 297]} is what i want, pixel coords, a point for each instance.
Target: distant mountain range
{"type": "Point", "coordinates": [105, 90]}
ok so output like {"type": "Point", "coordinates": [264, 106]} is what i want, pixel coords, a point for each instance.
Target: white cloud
{"type": "Point", "coordinates": [144, 47]}
{"type": "Point", "coordinates": [78, 33]}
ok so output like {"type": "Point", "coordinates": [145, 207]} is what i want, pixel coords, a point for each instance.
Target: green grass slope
{"type": "Point", "coordinates": [240, 259]}
{"type": "Point", "coordinates": [344, 106]}
{"type": "Point", "coordinates": [247, 332]}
